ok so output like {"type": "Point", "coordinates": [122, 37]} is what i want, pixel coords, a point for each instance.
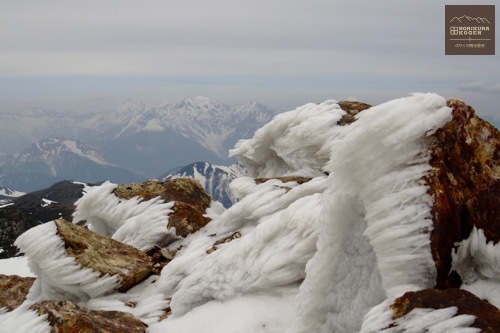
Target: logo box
{"type": "Point", "coordinates": [470, 29]}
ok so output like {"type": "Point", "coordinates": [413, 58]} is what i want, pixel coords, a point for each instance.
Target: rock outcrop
{"type": "Point", "coordinates": [486, 316]}
{"type": "Point", "coordinates": [186, 219]}
{"type": "Point", "coordinates": [104, 255]}
{"type": "Point", "coordinates": [464, 184]}
{"type": "Point", "coordinates": [387, 218]}
{"type": "Point", "coordinates": [67, 317]}
{"type": "Point", "coordinates": [32, 209]}
{"type": "Point", "coordinates": [185, 190]}
{"type": "Point", "coordinates": [13, 290]}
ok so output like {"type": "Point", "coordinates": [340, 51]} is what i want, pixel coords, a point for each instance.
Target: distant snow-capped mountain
{"type": "Point", "coordinates": [214, 178]}
{"type": "Point", "coordinates": [54, 159]}
{"type": "Point", "coordinates": [7, 194]}
{"type": "Point", "coordinates": [213, 125]}
{"type": "Point", "coordinates": [142, 137]}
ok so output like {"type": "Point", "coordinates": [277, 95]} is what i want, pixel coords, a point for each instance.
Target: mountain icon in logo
{"type": "Point", "coordinates": [466, 18]}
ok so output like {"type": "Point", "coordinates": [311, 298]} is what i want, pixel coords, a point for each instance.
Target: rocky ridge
{"type": "Point", "coordinates": [454, 186]}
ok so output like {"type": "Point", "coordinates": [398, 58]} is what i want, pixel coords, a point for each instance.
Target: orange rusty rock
{"type": "Point", "coordinates": [464, 184]}
{"type": "Point", "coordinates": [66, 317]}
{"type": "Point", "coordinates": [105, 255]}
{"type": "Point", "coordinates": [186, 219]}
{"type": "Point", "coordinates": [487, 315]}
{"type": "Point", "coordinates": [13, 290]}
{"type": "Point", "coordinates": [352, 109]}
{"type": "Point", "coordinates": [186, 190]}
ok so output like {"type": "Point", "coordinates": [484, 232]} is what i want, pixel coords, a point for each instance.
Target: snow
{"type": "Point", "coordinates": [7, 192]}
{"type": "Point", "coordinates": [328, 255]}
{"type": "Point", "coordinates": [246, 265]}
{"type": "Point", "coordinates": [59, 276]}
{"type": "Point", "coordinates": [23, 320]}
{"type": "Point", "coordinates": [46, 202]}
{"type": "Point", "coordinates": [15, 266]}
{"type": "Point", "coordinates": [421, 320]}
{"type": "Point", "coordinates": [477, 261]}
{"type": "Point", "coordinates": [290, 144]}
{"type": "Point", "coordinates": [135, 222]}
{"type": "Point", "coordinates": [245, 314]}
{"type": "Point", "coordinates": [153, 125]}
{"type": "Point", "coordinates": [74, 147]}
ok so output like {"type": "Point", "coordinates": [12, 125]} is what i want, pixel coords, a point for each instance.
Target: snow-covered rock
{"type": "Point", "coordinates": [353, 220]}
{"type": "Point", "coordinates": [216, 179]}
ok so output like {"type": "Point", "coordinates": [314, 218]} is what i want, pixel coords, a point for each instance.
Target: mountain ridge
{"type": "Point", "coordinates": [54, 159]}
{"type": "Point", "coordinates": [136, 136]}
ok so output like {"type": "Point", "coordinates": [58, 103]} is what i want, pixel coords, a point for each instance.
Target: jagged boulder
{"type": "Point", "coordinates": [351, 108]}
{"type": "Point", "coordinates": [185, 190]}
{"type": "Point", "coordinates": [186, 219]}
{"type": "Point", "coordinates": [486, 316]}
{"type": "Point", "coordinates": [104, 255]}
{"type": "Point", "coordinates": [298, 180]}
{"type": "Point", "coordinates": [464, 184]}
{"type": "Point", "coordinates": [13, 290]}
{"type": "Point", "coordinates": [66, 317]}
{"type": "Point", "coordinates": [74, 263]}
{"type": "Point", "coordinates": [147, 214]}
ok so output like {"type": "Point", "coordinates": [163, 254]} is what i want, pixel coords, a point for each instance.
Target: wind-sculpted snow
{"type": "Point", "coordinates": [380, 319]}
{"type": "Point", "coordinates": [478, 263]}
{"type": "Point", "coordinates": [59, 276]}
{"type": "Point", "coordinates": [272, 255]}
{"type": "Point", "coordinates": [349, 248]}
{"type": "Point", "coordinates": [290, 144]}
{"type": "Point", "coordinates": [135, 222]}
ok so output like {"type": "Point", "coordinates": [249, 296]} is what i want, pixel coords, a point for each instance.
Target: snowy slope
{"type": "Point", "coordinates": [327, 255]}
{"type": "Point", "coordinates": [55, 159]}
{"type": "Point", "coordinates": [7, 194]}
{"type": "Point", "coordinates": [213, 125]}
{"type": "Point", "coordinates": [148, 138]}
{"type": "Point", "coordinates": [215, 179]}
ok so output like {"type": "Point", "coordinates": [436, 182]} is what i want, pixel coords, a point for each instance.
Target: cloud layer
{"type": "Point", "coordinates": [249, 49]}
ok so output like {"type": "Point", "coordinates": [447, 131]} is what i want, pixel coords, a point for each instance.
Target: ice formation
{"type": "Point", "coordinates": [290, 144]}
{"type": "Point", "coordinates": [477, 261]}
{"type": "Point", "coordinates": [379, 319]}
{"type": "Point", "coordinates": [134, 221]}
{"type": "Point", "coordinates": [59, 276]}
{"type": "Point", "coordinates": [272, 255]}
{"type": "Point", "coordinates": [335, 251]}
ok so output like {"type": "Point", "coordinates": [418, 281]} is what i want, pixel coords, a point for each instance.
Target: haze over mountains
{"type": "Point", "coordinates": [135, 141]}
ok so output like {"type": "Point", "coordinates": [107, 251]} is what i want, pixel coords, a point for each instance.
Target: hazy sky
{"type": "Point", "coordinates": [95, 54]}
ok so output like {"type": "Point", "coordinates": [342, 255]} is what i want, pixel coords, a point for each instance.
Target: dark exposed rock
{"type": "Point", "coordinates": [224, 240]}
{"type": "Point", "coordinates": [186, 219]}
{"type": "Point", "coordinates": [160, 257]}
{"type": "Point", "coordinates": [31, 209]}
{"type": "Point", "coordinates": [464, 183]}
{"type": "Point", "coordinates": [105, 255]}
{"type": "Point", "coordinates": [352, 109]}
{"type": "Point", "coordinates": [298, 180]}
{"type": "Point", "coordinates": [186, 190]}
{"type": "Point", "coordinates": [13, 222]}
{"type": "Point", "coordinates": [13, 290]}
{"type": "Point", "coordinates": [64, 192]}
{"type": "Point", "coordinates": [66, 317]}
{"type": "Point", "coordinates": [43, 211]}
{"type": "Point", "coordinates": [487, 315]}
